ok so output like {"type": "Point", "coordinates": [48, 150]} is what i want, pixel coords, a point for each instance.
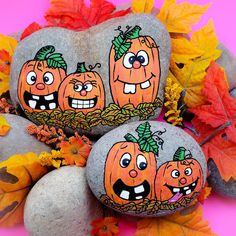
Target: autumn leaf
{"type": "Point", "coordinates": [4, 126]}
{"type": "Point", "coordinates": [142, 6]}
{"type": "Point", "coordinates": [179, 18]}
{"type": "Point", "coordinates": [189, 61]}
{"type": "Point", "coordinates": [30, 29]}
{"type": "Point", "coordinates": [204, 194]}
{"type": "Point", "coordinates": [179, 223]}
{"type": "Point", "coordinates": [75, 15]}
{"type": "Point", "coordinates": [17, 176]}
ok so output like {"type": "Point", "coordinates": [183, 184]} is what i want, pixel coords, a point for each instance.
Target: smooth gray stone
{"type": "Point", "coordinates": [60, 203]}
{"type": "Point", "coordinates": [93, 46]}
{"type": "Point", "coordinates": [18, 141]}
{"type": "Point", "coordinates": [107, 163]}
{"type": "Point", "coordinates": [218, 184]}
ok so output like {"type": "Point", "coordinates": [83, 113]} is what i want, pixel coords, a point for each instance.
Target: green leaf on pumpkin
{"type": "Point", "coordinates": [133, 33]}
{"type": "Point", "coordinates": [56, 61]}
{"type": "Point", "coordinates": [130, 138]}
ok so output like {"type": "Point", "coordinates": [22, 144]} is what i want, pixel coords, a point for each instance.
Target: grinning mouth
{"type": "Point", "coordinates": [131, 193]}
{"type": "Point", "coordinates": [82, 104]}
{"type": "Point", "coordinates": [131, 88]}
{"type": "Point", "coordinates": [179, 192]}
{"type": "Point", "coordinates": [41, 102]}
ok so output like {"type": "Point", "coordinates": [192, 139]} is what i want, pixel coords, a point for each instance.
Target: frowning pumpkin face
{"type": "Point", "coordinates": [129, 173]}
{"type": "Point", "coordinates": [39, 81]}
{"type": "Point", "coordinates": [82, 91]}
{"type": "Point", "coordinates": [134, 74]}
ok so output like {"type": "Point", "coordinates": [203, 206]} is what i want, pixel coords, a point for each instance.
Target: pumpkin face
{"type": "Point", "coordinates": [177, 179]}
{"type": "Point", "coordinates": [134, 78]}
{"type": "Point", "coordinates": [82, 91]}
{"type": "Point", "coordinates": [38, 84]}
{"type": "Point", "coordinates": [129, 173]}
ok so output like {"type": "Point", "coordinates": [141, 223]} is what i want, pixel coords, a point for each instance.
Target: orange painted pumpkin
{"type": "Point", "coordinates": [82, 91]}
{"type": "Point", "coordinates": [129, 173]}
{"type": "Point", "coordinates": [39, 80]}
{"type": "Point", "coordinates": [179, 178]}
{"type": "Point", "coordinates": [134, 68]}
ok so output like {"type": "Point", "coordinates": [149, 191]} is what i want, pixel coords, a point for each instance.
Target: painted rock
{"type": "Point", "coordinates": [61, 203]}
{"type": "Point", "coordinates": [146, 169]}
{"type": "Point", "coordinates": [93, 80]}
{"type": "Point", "coordinates": [17, 140]}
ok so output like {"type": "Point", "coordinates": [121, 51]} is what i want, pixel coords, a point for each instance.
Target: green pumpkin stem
{"type": "Point", "coordinates": [81, 68]}
{"type": "Point", "coordinates": [43, 53]}
{"type": "Point", "coordinates": [179, 154]}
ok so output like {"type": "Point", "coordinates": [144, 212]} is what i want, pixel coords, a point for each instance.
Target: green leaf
{"type": "Point", "coordinates": [144, 130]}
{"type": "Point", "coordinates": [133, 33]}
{"type": "Point", "coordinates": [121, 46]}
{"type": "Point", "coordinates": [148, 145]}
{"type": "Point", "coordinates": [41, 55]}
{"type": "Point", "coordinates": [56, 61]}
{"type": "Point", "coordinates": [130, 138]}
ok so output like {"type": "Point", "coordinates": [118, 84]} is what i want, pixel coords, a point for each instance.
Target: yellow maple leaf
{"type": "Point", "coordinates": [142, 6]}
{"type": "Point", "coordinates": [179, 18]}
{"type": "Point", "coordinates": [17, 176]}
{"type": "Point", "coordinates": [180, 223]}
{"type": "Point", "coordinates": [4, 83]}
{"type": "Point", "coordinates": [190, 60]}
{"type": "Point", "coordinates": [4, 126]}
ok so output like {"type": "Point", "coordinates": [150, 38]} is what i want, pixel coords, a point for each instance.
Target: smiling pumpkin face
{"type": "Point", "coordinates": [39, 81]}
{"type": "Point", "coordinates": [82, 91]}
{"type": "Point", "coordinates": [134, 77]}
{"type": "Point", "coordinates": [129, 173]}
{"type": "Point", "coordinates": [178, 178]}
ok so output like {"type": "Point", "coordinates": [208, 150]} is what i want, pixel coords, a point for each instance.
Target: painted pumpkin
{"type": "Point", "coordinates": [129, 173]}
{"type": "Point", "coordinates": [39, 80]}
{"type": "Point", "coordinates": [179, 178]}
{"type": "Point", "coordinates": [134, 68]}
{"type": "Point", "coordinates": [82, 91]}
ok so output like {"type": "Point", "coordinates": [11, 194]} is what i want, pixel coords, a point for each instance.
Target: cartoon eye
{"type": "Point", "coordinates": [125, 160]}
{"type": "Point", "coordinates": [188, 171]}
{"type": "Point", "coordinates": [31, 78]}
{"type": "Point", "coordinates": [88, 87]}
{"type": "Point", "coordinates": [175, 174]}
{"type": "Point", "coordinates": [143, 58]}
{"type": "Point", "coordinates": [48, 78]}
{"type": "Point", "coordinates": [141, 162]}
{"type": "Point", "coordinates": [129, 60]}
{"type": "Point", "coordinates": [78, 87]}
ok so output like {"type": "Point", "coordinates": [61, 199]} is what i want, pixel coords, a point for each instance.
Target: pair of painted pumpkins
{"type": "Point", "coordinates": [131, 175]}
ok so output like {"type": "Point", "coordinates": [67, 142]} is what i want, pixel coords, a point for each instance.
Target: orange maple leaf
{"type": "Point", "coordinates": [33, 27]}
{"type": "Point", "coordinates": [5, 62]}
{"type": "Point", "coordinates": [75, 15]}
{"type": "Point", "coordinates": [180, 223]}
{"type": "Point", "coordinates": [219, 112]}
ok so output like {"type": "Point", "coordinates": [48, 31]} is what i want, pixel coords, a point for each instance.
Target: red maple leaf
{"type": "Point", "coordinates": [30, 30]}
{"type": "Point", "coordinates": [75, 15]}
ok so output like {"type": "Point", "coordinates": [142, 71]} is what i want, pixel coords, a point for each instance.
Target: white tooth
{"type": "Point", "coordinates": [193, 184]}
{"type": "Point", "coordinates": [74, 105]}
{"type": "Point", "coordinates": [86, 102]}
{"type": "Point", "coordinates": [80, 102]}
{"type": "Point", "coordinates": [124, 194]}
{"type": "Point", "coordinates": [188, 192]}
{"type": "Point", "coordinates": [86, 105]}
{"type": "Point", "coordinates": [176, 190]}
{"type": "Point", "coordinates": [145, 84]}
{"type": "Point", "coordinates": [35, 97]}
{"type": "Point", "coordinates": [139, 189]}
{"type": "Point", "coordinates": [139, 197]}
{"type": "Point", "coordinates": [49, 97]}
{"type": "Point", "coordinates": [185, 188]}
{"type": "Point", "coordinates": [130, 88]}
{"type": "Point", "coordinates": [32, 104]}
{"type": "Point", "coordinates": [42, 107]}
{"type": "Point", "coordinates": [52, 105]}
{"type": "Point", "coordinates": [80, 106]}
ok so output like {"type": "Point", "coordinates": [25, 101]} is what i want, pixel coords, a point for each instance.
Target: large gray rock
{"type": "Point", "coordinates": [61, 204]}
{"type": "Point", "coordinates": [18, 141]}
{"type": "Point", "coordinates": [218, 184]}
{"type": "Point", "coordinates": [132, 72]}
{"type": "Point", "coordinates": [146, 169]}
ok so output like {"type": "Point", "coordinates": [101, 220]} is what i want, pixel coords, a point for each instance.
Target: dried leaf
{"type": "Point", "coordinates": [33, 27]}
{"type": "Point", "coordinates": [179, 18]}
{"type": "Point", "coordinates": [142, 6]}
{"type": "Point", "coordinates": [4, 126]}
{"type": "Point", "coordinates": [204, 194]}
{"type": "Point", "coordinates": [75, 15]}
{"type": "Point", "coordinates": [17, 176]}
{"type": "Point", "coordinates": [188, 66]}
{"type": "Point", "coordinates": [177, 224]}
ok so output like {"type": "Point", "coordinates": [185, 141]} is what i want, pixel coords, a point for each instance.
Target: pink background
{"type": "Point", "coordinates": [219, 211]}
